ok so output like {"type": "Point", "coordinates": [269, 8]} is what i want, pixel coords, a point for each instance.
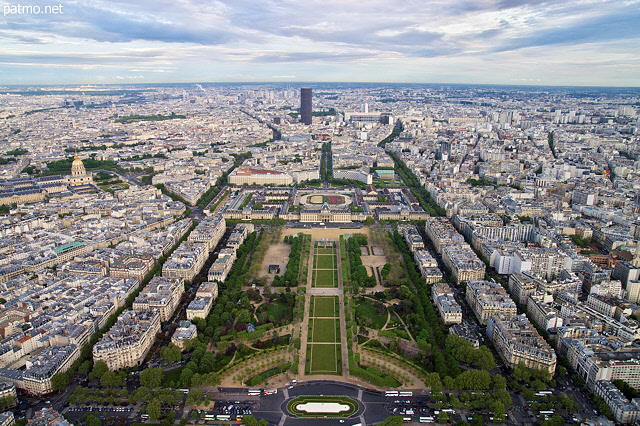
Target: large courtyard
{"type": "Point", "coordinates": [329, 197]}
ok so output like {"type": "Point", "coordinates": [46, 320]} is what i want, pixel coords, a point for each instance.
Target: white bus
{"type": "Point", "coordinates": [406, 393]}
{"type": "Point", "coordinates": [391, 393]}
{"type": "Point", "coordinates": [223, 417]}
{"type": "Point", "coordinates": [210, 417]}
{"type": "Point", "coordinates": [426, 419]}
{"type": "Point", "coordinates": [255, 392]}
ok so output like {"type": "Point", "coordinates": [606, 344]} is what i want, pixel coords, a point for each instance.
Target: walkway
{"type": "Point", "coordinates": [343, 322]}
{"type": "Point", "coordinates": [304, 324]}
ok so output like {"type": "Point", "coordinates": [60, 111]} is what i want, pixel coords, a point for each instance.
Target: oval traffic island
{"type": "Point", "coordinates": [312, 406]}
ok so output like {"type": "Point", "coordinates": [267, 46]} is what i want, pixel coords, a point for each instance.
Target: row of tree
{"type": "Point", "coordinates": [442, 352]}
{"type": "Point", "coordinates": [464, 352]}
{"type": "Point", "coordinates": [291, 276]}
{"type": "Point", "coordinates": [359, 277]}
{"type": "Point", "coordinates": [409, 179]}
{"type": "Point", "coordinates": [203, 365]}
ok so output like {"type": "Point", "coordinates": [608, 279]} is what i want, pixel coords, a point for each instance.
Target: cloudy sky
{"type": "Point", "coordinates": [556, 42]}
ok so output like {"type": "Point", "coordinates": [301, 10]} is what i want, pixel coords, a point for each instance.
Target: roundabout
{"type": "Point", "coordinates": [313, 406]}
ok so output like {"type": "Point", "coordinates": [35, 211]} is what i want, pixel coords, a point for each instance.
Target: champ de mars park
{"type": "Point", "coordinates": [312, 304]}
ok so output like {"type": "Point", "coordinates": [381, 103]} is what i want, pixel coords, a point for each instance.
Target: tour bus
{"type": "Point", "coordinates": [210, 416]}
{"type": "Point", "coordinates": [270, 391]}
{"type": "Point", "coordinates": [255, 392]}
{"type": "Point", "coordinates": [406, 393]}
{"type": "Point", "coordinates": [391, 393]}
{"type": "Point", "coordinates": [426, 419]}
{"type": "Point", "coordinates": [546, 413]}
{"type": "Point", "coordinates": [224, 417]}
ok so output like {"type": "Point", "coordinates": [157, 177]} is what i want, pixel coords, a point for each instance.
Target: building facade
{"type": "Point", "coordinates": [517, 342]}
{"type": "Point", "coordinates": [306, 105]}
{"type": "Point", "coordinates": [129, 340]}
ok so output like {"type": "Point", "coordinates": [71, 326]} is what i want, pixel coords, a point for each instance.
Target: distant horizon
{"type": "Point", "coordinates": [302, 83]}
{"type": "Point", "coordinates": [583, 43]}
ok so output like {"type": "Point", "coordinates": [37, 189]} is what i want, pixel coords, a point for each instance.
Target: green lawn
{"type": "Point", "coordinates": [366, 310]}
{"type": "Point", "coordinates": [324, 279]}
{"type": "Point", "coordinates": [323, 359]}
{"type": "Point", "coordinates": [275, 310]}
{"type": "Point", "coordinates": [325, 262]}
{"type": "Point", "coordinates": [324, 306]}
{"type": "Point", "coordinates": [324, 330]}
{"type": "Point", "coordinates": [325, 251]}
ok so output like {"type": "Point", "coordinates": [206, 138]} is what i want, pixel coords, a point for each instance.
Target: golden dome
{"type": "Point", "coordinates": [77, 161]}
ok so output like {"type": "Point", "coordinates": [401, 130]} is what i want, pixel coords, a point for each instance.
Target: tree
{"type": "Point", "coordinates": [497, 408]}
{"type": "Point", "coordinates": [169, 420]}
{"type": "Point", "coordinates": [207, 363]}
{"type": "Point", "coordinates": [185, 377]}
{"type": "Point", "coordinates": [392, 421]}
{"type": "Point", "coordinates": [151, 377]}
{"type": "Point", "coordinates": [85, 367]}
{"type": "Point", "coordinates": [499, 382]}
{"type": "Point", "coordinates": [59, 381]}
{"type": "Point", "coordinates": [111, 379]}
{"type": "Point", "coordinates": [8, 402]}
{"type": "Point", "coordinates": [99, 368]}
{"type": "Point", "coordinates": [243, 316]}
{"type": "Point", "coordinates": [171, 353]}
{"type": "Point", "coordinates": [404, 293]}
{"type": "Point", "coordinates": [153, 409]}
{"type": "Point", "coordinates": [142, 394]}
{"type": "Point", "coordinates": [91, 420]}
{"type": "Point", "coordinates": [476, 421]}
{"type": "Point", "coordinates": [443, 417]}
{"type": "Point", "coordinates": [561, 371]}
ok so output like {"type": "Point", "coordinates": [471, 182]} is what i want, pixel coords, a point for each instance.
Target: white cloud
{"type": "Point", "coordinates": [389, 40]}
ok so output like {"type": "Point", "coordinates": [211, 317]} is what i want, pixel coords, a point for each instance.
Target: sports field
{"type": "Point", "coordinates": [323, 349]}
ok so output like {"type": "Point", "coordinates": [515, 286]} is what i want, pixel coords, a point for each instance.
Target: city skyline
{"type": "Point", "coordinates": [584, 43]}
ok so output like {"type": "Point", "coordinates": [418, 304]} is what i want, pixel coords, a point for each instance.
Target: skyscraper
{"type": "Point", "coordinates": [305, 105]}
